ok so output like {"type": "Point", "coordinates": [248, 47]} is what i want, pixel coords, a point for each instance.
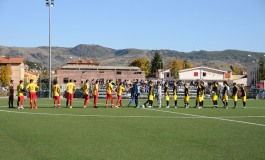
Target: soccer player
{"type": "Point", "coordinates": [175, 94]}
{"type": "Point", "coordinates": [166, 93]}
{"type": "Point", "coordinates": [243, 95]}
{"type": "Point", "coordinates": [20, 95]}
{"type": "Point", "coordinates": [201, 95]}
{"type": "Point", "coordinates": [159, 93]}
{"type": "Point", "coordinates": [186, 96]}
{"type": "Point", "coordinates": [119, 90]}
{"type": "Point", "coordinates": [198, 93]}
{"type": "Point", "coordinates": [234, 95]}
{"type": "Point", "coordinates": [225, 95]}
{"type": "Point", "coordinates": [109, 90]}
{"type": "Point", "coordinates": [149, 95]}
{"type": "Point", "coordinates": [32, 87]}
{"type": "Point", "coordinates": [56, 94]}
{"type": "Point", "coordinates": [70, 87]}
{"type": "Point", "coordinates": [85, 88]}
{"type": "Point", "coordinates": [11, 94]}
{"type": "Point", "coordinates": [95, 93]}
{"type": "Point", "coordinates": [214, 94]}
{"type": "Point", "coordinates": [135, 94]}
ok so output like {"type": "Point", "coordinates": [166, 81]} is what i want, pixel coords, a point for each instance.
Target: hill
{"type": "Point", "coordinates": [108, 56]}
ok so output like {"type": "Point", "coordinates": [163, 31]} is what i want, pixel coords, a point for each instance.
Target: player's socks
{"type": "Point", "coordinates": [30, 103]}
{"type": "Point", "coordinates": [176, 103]}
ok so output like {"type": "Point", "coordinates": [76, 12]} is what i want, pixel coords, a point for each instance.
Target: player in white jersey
{"type": "Point", "coordinates": [159, 93]}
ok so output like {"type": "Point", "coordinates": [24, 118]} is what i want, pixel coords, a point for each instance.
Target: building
{"type": "Point", "coordinates": [17, 67]}
{"type": "Point", "coordinates": [31, 75]}
{"type": "Point", "coordinates": [253, 74]}
{"type": "Point", "coordinates": [81, 70]}
{"type": "Point", "coordinates": [203, 73]}
{"type": "Point", "coordinates": [164, 74]}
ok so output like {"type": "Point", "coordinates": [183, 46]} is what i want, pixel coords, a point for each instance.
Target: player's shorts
{"type": "Point", "coordinates": [21, 98]}
{"type": "Point", "coordinates": [215, 97]}
{"type": "Point", "coordinates": [234, 97]}
{"type": "Point", "coordinates": [70, 96]}
{"type": "Point", "coordinates": [110, 96]}
{"type": "Point", "coordinates": [32, 96]}
{"type": "Point", "coordinates": [201, 98]}
{"type": "Point", "coordinates": [244, 98]}
{"type": "Point", "coordinates": [175, 97]}
{"type": "Point", "coordinates": [151, 97]}
{"type": "Point", "coordinates": [225, 98]}
{"type": "Point", "coordinates": [167, 98]}
{"type": "Point", "coordinates": [56, 97]}
{"type": "Point", "coordinates": [186, 98]}
{"type": "Point", "coordinates": [86, 96]}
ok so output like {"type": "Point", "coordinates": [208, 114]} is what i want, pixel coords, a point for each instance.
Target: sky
{"type": "Point", "coordinates": [182, 25]}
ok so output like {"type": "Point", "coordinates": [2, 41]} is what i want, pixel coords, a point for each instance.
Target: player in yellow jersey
{"type": "Point", "coordinates": [95, 93]}
{"type": "Point", "coordinates": [20, 95]}
{"type": "Point", "coordinates": [32, 87]}
{"type": "Point", "coordinates": [56, 94]}
{"type": "Point", "coordinates": [11, 94]}
{"type": "Point", "coordinates": [109, 90]}
{"type": "Point", "coordinates": [119, 90]}
{"type": "Point", "coordinates": [70, 90]}
{"type": "Point", "coordinates": [85, 88]}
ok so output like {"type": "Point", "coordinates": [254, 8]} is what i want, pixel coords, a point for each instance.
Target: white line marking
{"type": "Point", "coordinates": [217, 118]}
{"type": "Point", "coordinates": [162, 117]}
{"type": "Point", "coordinates": [80, 115]}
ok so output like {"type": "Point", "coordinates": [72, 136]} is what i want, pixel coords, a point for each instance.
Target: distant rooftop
{"type": "Point", "coordinates": [11, 60]}
{"type": "Point", "coordinates": [84, 61]}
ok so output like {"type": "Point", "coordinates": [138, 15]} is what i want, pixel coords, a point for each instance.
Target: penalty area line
{"type": "Point", "coordinates": [206, 117]}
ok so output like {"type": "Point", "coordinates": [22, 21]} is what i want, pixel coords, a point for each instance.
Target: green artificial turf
{"type": "Point", "coordinates": [131, 133]}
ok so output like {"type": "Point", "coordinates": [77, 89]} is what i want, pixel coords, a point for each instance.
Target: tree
{"type": "Point", "coordinates": [156, 63]}
{"type": "Point", "coordinates": [5, 74]}
{"type": "Point", "coordinates": [177, 65]}
{"type": "Point", "coordinates": [143, 63]}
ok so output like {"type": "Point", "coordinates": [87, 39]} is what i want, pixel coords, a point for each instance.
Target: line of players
{"type": "Point", "coordinates": [135, 93]}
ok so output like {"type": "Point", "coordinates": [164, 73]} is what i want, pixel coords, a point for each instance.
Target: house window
{"type": "Point", "coordinates": [203, 74]}
{"type": "Point", "coordinates": [101, 72]}
{"type": "Point", "coordinates": [196, 74]}
{"type": "Point", "coordinates": [119, 72]}
{"type": "Point", "coordinates": [65, 80]}
{"type": "Point", "coordinates": [167, 74]}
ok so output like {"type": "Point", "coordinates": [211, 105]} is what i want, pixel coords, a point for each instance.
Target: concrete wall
{"type": "Point", "coordinates": [81, 75]}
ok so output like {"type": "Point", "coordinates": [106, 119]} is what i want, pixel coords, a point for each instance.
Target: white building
{"type": "Point", "coordinates": [164, 74]}
{"type": "Point", "coordinates": [253, 73]}
{"type": "Point", "coordinates": [203, 73]}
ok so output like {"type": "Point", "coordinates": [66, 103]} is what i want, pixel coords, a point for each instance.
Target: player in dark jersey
{"type": "Point", "coordinates": [234, 95]}
{"type": "Point", "coordinates": [175, 94]}
{"type": "Point", "coordinates": [201, 95]}
{"type": "Point", "coordinates": [166, 94]}
{"type": "Point", "coordinates": [225, 95]}
{"type": "Point", "coordinates": [214, 94]}
{"type": "Point", "coordinates": [186, 96]}
{"type": "Point", "coordinates": [243, 95]}
{"type": "Point", "coordinates": [198, 93]}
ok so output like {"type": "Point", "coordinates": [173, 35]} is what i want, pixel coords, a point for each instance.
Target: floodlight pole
{"type": "Point", "coordinates": [50, 3]}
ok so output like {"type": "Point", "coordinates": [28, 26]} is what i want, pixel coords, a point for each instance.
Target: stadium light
{"type": "Point", "coordinates": [256, 69]}
{"type": "Point", "coordinates": [50, 3]}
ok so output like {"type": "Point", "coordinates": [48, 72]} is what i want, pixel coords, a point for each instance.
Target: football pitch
{"type": "Point", "coordinates": [132, 133]}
